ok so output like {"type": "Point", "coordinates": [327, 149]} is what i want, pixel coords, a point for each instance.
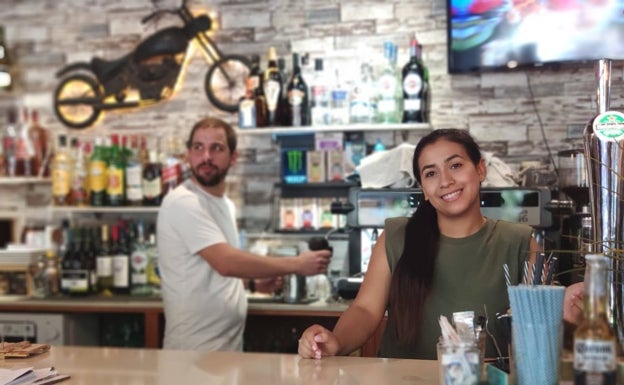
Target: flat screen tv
{"type": "Point", "coordinates": [488, 35]}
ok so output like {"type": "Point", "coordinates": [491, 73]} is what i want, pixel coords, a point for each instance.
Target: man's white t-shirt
{"type": "Point", "coordinates": [203, 309]}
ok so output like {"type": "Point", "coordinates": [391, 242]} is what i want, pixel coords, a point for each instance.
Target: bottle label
{"type": "Point", "coordinates": [152, 188]}
{"type": "Point", "coordinates": [75, 281]}
{"type": "Point", "coordinates": [121, 271]}
{"type": "Point", "coordinates": [115, 181]}
{"type": "Point", "coordinates": [594, 355]}
{"type": "Point", "coordinates": [411, 104]}
{"type": "Point", "coordinates": [171, 173]}
{"type": "Point", "coordinates": [133, 183]}
{"type": "Point", "coordinates": [60, 182]}
{"type": "Point", "coordinates": [609, 126]}
{"type": "Point", "coordinates": [271, 92]}
{"type": "Point", "coordinates": [247, 114]}
{"type": "Point", "coordinates": [412, 84]}
{"type": "Point", "coordinates": [104, 266]}
{"type": "Point", "coordinates": [139, 267]}
{"type": "Point", "coordinates": [97, 176]}
{"type": "Point", "coordinates": [387, 85]}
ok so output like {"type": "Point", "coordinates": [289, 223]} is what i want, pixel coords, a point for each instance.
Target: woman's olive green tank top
{"type": "Point", "coordinates": [468, 276]}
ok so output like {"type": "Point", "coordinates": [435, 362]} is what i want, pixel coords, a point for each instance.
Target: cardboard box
{"type": "Point", "coordinates": [325, 217]}
{"type": "Point", "coordinates": [335, 166]}
{"type": "Point", "coordinates": [309, 214]}
{"type": "Point", "coordinates": [316, 167]}
{"type": "Point", "coordinates": [290, 214]}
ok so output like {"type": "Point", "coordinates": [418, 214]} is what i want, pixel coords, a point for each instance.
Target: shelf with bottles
{"type": "Point", "coordinates": [424, 127]}
{"type": "Point", "coordinates": [105, 209]}
{"type": "Point", "coordinates": [23, 180]}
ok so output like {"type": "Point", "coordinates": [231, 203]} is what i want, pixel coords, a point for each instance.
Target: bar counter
{"type": "Point", "coordinates": [123, 366]}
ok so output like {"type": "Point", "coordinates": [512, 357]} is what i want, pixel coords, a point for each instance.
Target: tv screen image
{"type": "Point", "coordinates": [497, 34]}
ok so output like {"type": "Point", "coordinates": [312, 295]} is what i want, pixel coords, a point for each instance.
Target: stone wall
{"type": "Point", "coordinates": [507, 112]}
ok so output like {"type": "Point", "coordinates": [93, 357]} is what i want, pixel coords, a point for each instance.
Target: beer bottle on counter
{"type": "Point", "coordinates": [415, 86]}
{"type": "Point", "coordinates": [298, 97]}
{"type": "Point", "coordinates": [272, 83]}
{"type": "Point", "coordinates": [594, 340]}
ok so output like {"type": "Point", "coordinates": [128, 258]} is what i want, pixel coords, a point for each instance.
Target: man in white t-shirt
{"type": "Point", "coordinates": [199, 257]}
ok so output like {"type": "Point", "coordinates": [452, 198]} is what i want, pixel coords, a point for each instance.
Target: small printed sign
{"type": "Point", "coordinates": [609, 126]}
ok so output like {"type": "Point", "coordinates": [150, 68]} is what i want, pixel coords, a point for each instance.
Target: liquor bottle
{"type": "Point", "coordinates": [339, 102]}
{"type": "Point", "coordinates": [390, 91]}
{"type": "Point", "coordinates": [171, 170]}
{"type": "Point", "coordinates": [139, 263]}
{"type": "Point", "coordinates": [6, 79]}
{"type": "Point", "coordinates": [89, 256]}
{"type": "Point", "coordinates": [362, 103]}
{"type": "Point", "coordinates": [153, 274]}
{"type": "Point", "coordinates": [282, 106]}
{"type": "Point", "coordinates": [594, 340]}
{"type": "Point", "coordinates": [121, 261]}
{"type": "Point", "coordinates": [115, 173]}
{"type": "Point", "coordinates": [415, 86]}
{"type": "Point", "coordinates": [298, 97]}
{"type": "Point", "coordinates": [260, 106]}
{"type": "Point", "coordinates": [247, 107]}
{"type": "Point", "coordinates": [39, 140]}
{"type": "Point", "coordinates": [134, 173]}
{"type": "Point", "coordinates": [151, 183]}
{"type": "Point", "coordinates": [79, 186]}
{"type": "Point", "coordinates": [9, 142]}
{"type": "Point", "coordinates": [62, 174]}
{"type": "Point", "coordinates": [98, 180]}
{"type": "Point", "coordinates": [321, 96]}
{"type": "Point", "coordinates": [104, 264]}
{"type": "Point", "coordinates": [24, 150]}
{"type": "Point", "coordinates": [272, 84]}
{"type": "Point", "coordinates": [75, 276]}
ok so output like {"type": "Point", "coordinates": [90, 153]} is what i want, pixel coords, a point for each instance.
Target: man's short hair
{"type": "Point", "coordinates": [209, 122]}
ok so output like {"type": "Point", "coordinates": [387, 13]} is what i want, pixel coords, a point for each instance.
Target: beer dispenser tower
{"type": "Point", "coordinates": [604, 154]}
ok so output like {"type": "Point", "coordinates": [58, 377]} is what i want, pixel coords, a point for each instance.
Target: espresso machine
{"type": "Point", "coordinates": [574, 214]}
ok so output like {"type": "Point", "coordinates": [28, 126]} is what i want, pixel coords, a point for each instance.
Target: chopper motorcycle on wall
{"type": "Point", "coordinates": [149, 73]}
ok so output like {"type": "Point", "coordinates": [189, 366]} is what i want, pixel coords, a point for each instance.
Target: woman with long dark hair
{"type": "Point", "coordinates": [446, 258]}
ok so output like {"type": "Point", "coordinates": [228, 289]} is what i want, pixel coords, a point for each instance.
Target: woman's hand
{"type": "Point", "coordinates": [573, 303]}
{"type": "Point", "coordinates": [317, 342]}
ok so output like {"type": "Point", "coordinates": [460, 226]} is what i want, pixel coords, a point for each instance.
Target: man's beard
{"type": "Point", "coordinates": [211, 181]}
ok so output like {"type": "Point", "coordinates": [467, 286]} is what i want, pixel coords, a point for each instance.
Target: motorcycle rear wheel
{"type": "Point", "coordinates": [76, 99]}
{"type": "Point", "coordinates": [226, 80]}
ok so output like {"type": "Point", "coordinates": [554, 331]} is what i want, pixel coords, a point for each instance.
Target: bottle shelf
{"type": "Point", "coordinates": [19, 180]}
{"type": "Point", "coordinates": [105, 209]}
{"type": "Point", "coordinates": [425, 127]}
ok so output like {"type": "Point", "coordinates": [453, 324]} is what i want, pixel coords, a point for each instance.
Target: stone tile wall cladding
{"type": "Point", "coordinates": [497, 108]}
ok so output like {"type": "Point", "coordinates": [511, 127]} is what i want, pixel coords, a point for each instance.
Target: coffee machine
{"type": "Point", "coordinates": [574, 214]}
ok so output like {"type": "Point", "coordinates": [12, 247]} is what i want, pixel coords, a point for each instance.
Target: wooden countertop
{"type": "Point", "coordinates": [107, 366]}
{"type": "Point", "coordinates": [129, 304]}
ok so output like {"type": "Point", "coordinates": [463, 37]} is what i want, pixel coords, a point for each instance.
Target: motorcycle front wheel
{"type": "Point", "coordinates": [226, 80]}
{"type": "Point", "coordinates": [76, 101]}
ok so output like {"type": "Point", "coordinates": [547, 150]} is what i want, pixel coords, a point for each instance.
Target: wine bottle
{"type": "Point", "coordinates": [594, 340]}
{"type": "Point", "coordinates": [298, 97]}
{"type": "Point", "coordinates": [121, 261]}
{"type": "Point", "coordinates": [134, 173]}
{"type": "Point", "coordinates": [415, 86]}
{"type": "Point", "coordinates": [152, 180]}
{"type": "Point", "coordinates": [104, 263]}
{"type": "Point", "coordinates": [272, 84]}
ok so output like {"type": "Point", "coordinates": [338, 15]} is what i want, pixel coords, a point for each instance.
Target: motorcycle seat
{"type": "Point", "coordinates": [169, 41]}
{"type": "Point", "coordinates": [106, 69]}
